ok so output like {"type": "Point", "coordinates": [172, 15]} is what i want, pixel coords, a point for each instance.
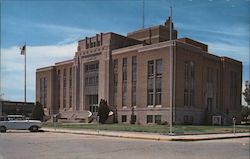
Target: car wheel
{"type": "Point", "coordinates": [3, 129]}
{"type": "Point", "coordinates": [34, 128]}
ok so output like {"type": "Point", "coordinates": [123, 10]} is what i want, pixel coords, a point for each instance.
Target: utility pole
{"type": "Point", "coordinates": [170, 73]}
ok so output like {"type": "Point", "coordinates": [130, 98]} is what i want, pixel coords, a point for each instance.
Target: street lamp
{"type": "Point", "coordinates": [170, 73]}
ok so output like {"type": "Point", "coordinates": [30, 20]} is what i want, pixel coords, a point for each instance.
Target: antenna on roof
{"type": "Point", "coordinates": [143, 16]}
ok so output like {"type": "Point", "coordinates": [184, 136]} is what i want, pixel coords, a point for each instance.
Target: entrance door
{"type": "Point", "coordinates": [93, 103]}
{"type": "Point", "coordinates": [210, 105]}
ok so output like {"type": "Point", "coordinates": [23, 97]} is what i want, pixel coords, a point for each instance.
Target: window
{"type": "Point", "coordinates": [233, 89]}
{"type": "Point", "coordinates": [58, 87]}
{"type": "Point", "coordinates": [91, 67]}
{"type": "Point", "coordinates": [149, 118]}
{"type": "Point", "coordinates": [134, 76]}
{"type": "Point", "coordinates": [150, 68]}
{"type": "Point", "coordinates": [158, 91]}
{"type": "Point", "coordinates": [124, 118]}
{"type": "Point", "coordinates": [91, 78]}
{"type": "Point", "coordinates": [70, 87]}
{"type": "Point", "coordinates": [185, 97]}
{"type": "Point", "coordinates": [217, 88]}
{"type": "Point", "coordinates": [115, 81]}
{"type": "Point", "coordinates": [124, 81]}
{"type": "Point", "coordinates": [64, 88]}
{"type": "Point", "coordinates": [43, 92]}
{"type": "Point", "coordinates": [150, 83]}
{"type": "Point", "coordinates": [210, 75]}
{"type": "Point", "coordinates": [189, 79]}
{"type": "Point", "coordinates": [158, 67]}
{"type": "Point", "coordinates": [154, 82]}
{"type": "Point", "coordinates": [150, 91]}
{"type": "Point", "coordinates": [158, 119]}
{"type": "Point", "coordinates": [210, 105]}
{"type": "Point", "coordinates": [158, 82]}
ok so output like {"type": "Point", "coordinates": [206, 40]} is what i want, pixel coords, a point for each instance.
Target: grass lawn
{"type": "Point", "coordinates": [162, 129]}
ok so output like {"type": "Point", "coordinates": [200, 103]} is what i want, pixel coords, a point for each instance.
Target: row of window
{"type": "Point", "coordinates": [93, 44]}
{"type": "Point", "coordinates": [189, 77]}
{"type": "Point", "coordinates": [65, 86]}
{"type": "Point", "coordinates": [233, 89]}
{"type": "Point", "coordinates": [43, 91]}
{"type": "Point", "coordinates": [150, 119]}
{"type": "Point", "coordinates": [213, 82]}
{"type": "Point", "coordinates": [124, 80]}
{"type": "Point", "coordinates": [154, 82]}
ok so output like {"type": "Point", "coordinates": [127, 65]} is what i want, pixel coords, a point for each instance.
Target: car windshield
{"type": "Point", "coordinates": [15, 117]}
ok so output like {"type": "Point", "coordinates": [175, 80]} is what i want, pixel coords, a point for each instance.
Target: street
{"type": "Point", "coordinates": [26, 145]}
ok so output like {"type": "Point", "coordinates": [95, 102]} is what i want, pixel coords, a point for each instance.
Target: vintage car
{"type": "Point", "coordinates": [18, 122]}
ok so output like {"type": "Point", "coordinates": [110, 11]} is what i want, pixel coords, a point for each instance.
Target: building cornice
{"type": "Point", "coordinates": [127, 49]}
{"type": "Point", "coordinates": [45, 69]}
{"type": "Point", "coordinates": [65, 62]}
{"type": "Point", "coordinates": [155, 46]}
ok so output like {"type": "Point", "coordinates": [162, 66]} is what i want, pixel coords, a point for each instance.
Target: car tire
{"type": "Point", "coordinates": [3, 129]}
{"type": "Point", "coordinates": [34, 128]}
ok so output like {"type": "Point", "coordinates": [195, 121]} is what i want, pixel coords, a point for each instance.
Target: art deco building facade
{"type": "Point", "coordinates": [133, 72]}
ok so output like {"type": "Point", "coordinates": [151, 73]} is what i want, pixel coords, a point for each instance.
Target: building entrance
{"type": "Point", "coordinates": [93, 103]}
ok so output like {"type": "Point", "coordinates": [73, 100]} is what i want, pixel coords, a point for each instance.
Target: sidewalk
{"type": "Point", "coordinates": [147, 136]}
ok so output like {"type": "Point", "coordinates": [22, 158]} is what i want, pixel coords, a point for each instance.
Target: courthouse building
{"type": "Point", "coordinates": [133, 72]}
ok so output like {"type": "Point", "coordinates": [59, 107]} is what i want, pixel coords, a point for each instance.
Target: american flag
{"type": "Point", "coordinates": [23, 50]}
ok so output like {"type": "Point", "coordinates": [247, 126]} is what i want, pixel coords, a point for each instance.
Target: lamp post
{"type": "Point", "coordinates": [0, 83]}
{"type": "Point", "coordinates": [170, 73]}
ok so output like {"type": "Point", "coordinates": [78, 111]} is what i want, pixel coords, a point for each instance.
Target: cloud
{"type": "Point", "coordinates": [233, 51]}
{"type": "Point", "coordinates": [37, 56]}
{"type": "Point", "coordinates": [59, 34]}
{"type": "Point", "coordinates": [238, 31]}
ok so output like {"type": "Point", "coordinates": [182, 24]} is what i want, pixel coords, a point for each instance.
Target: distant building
{"type": "Point", "coordinates": [16, 108]}
{"type": "Point", "coordinates": [133, 71]}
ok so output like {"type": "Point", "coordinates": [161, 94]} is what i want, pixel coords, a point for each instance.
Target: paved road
{"type": "Point", "coordinates": [26, 145]}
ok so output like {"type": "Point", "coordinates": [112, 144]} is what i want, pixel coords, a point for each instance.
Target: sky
{"type": "Point", "coordinates": [51, 29]}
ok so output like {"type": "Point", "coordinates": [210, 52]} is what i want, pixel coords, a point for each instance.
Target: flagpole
{"type": "Point", "coordinates": [143, 13]}
{"type": "Point", "coordinates": [25, 74]}
{"type": "Point", "coordinates": [23, 52]}
{"type": "Point", "coordinates": [171, 73]}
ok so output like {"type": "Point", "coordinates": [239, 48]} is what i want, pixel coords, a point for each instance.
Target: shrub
{"type": "Point", "coordinates": [103, 111]}
{"type": "Point", "coordinates": [37, 112]}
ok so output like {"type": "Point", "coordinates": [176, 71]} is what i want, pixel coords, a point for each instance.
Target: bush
{"type": "Point", "coordinates": [103, 111]}
{"type": "Point", "coordinates": [162, 123]}
{"type": "Point", "coordinates": [133, 119]}
{"type": "Point", "coordinates": [37, 112]}
{"type": "Point", "coordinates": [245, 112]}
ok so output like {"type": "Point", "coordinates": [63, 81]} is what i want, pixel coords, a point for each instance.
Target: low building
{"type": "Point", "coordinates": [133, 73]}
{"type": "Point", "coordinates": [16, 108]}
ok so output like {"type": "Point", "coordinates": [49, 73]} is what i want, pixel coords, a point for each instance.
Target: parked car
{"type": "Point", "coordinates": [18, 122]}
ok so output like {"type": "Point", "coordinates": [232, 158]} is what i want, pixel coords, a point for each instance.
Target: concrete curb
{"type": "Point", "coordinates": [108, 135]}
{"type": "Point", "coordinates": [144, 136]}
{"type": "Point", "coordinates": [209, 138]}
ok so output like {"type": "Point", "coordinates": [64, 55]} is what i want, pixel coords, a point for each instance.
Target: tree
{"type": "Point", "coordinates": [38, 112]}
{"type": "Point", "coordinates": [103, 111]}
{"type": "Point", "coordinates": [246, 92]}
{"type": "Point", "coordinates": [245, 112]}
